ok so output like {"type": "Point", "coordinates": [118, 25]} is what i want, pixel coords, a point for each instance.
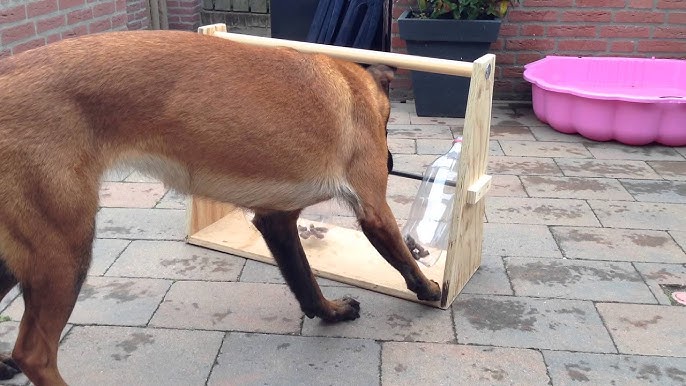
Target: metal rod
{"type": "Point", "coordinates": [417, 177]}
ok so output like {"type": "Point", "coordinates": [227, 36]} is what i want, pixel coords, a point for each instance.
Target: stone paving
{"type": "Point", "coordinates": [582, 243]}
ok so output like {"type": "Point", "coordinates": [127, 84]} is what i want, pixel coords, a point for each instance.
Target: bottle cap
{"type": "Point", "coordinates": [458, 139]}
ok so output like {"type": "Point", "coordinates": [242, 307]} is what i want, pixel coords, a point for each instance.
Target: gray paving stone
{"type": "Point", "coordinates": [504, 185]}
{"type": "Point", "coordinates": [657, 191]}
{"type": "Point", "coordinates": [105, 252]}
{"type": "Point", "coordinates": [407, 106]}
{"type": "Point", "coordinates": [567, 368]}
{"type": "Point", "coordinates": [415, 120]}
{"type": "Point", "coordinates": [646, 329]}
{"type": "Point", "coordinates": [681, 150]}
{"type": "Point", "coordinates": [525, 166]}
{"type": "Point", "coordinates": [247, 307]}
{"type": "Point", "coordinates": [176, 260]}
{"type": "Point", "coordinates": [547, 133]}
{"type": "Point", "coordinates": [400, 195]}
{"type": "Point", "coordinates": [670, 170]}
{"type": "Point", "coordinates": [509, 115]}
{"type": "Point", "coordinates": [618, 151]}
{"type": "Point", "coordinates": [98, 355]}
{"type": "Point", "coordinates": [419, 131]}
{"type": "Point", "coordinates": [112, 301]}
{"type": "Point", "coordinates": [518, 210]}
{"type": "Point", "coordinates": [402, 146]}
{"type": "Point", "coordinates": [544, 149]}
{"type": "Point", "coordinates": [575, 187]}
{"type": "Point", "coordinates": [519, 240]}
{"type": "Point", "coordinates": [450, 364]}
{"type": "Point", "coordinates": [257, 272]}
{"type": "Point", "coordinates": [618, 244]}
{"type": "Point", "coordinates": [172, 200]}
{"type": "Point", "coordinates": [441, 146]}
{"type": "Point", "coordinates": [137, 176]}
{"type": "Point", "coordinates": [605, 168]}
{"type": "Point", "coordinates": [530, 323]}
{"type": "Point", "coordinates": [384, 317]}
{"type": "Point", "coordinates": [640, 215]}
{"type": "Point", "coordinates": [412, 163]}
{"type": "Point", "coordinates": [9, 298]}
{"type": "Point", "coordinates": [399, 117]}
{"type": "Point", "coordinates": [116, 174]}
{"type": "Point", "coordinates": [256, 359]}
{"type": "Point", "coordinates": [490, 278]}
{"type": "Point", "coordinates": [511, 133]}
{"type": "Point", "coordinates": [665, 274]}
{"type": "Point", "coordinates": [575, 279]}
{"type": "Point", "coordinates": [147, 224]}
{"type": "Point", "coordinates": [680, 238]}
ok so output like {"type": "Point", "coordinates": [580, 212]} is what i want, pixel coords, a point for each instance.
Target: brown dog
{"type": "Point", "coordinates": [272, 130]}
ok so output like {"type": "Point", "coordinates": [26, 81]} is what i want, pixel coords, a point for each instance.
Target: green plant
{"type": "Point", "coordinates": [463, 9]}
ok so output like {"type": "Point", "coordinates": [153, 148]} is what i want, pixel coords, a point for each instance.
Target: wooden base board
{"type": "Point", "coordinates": [343, 255]}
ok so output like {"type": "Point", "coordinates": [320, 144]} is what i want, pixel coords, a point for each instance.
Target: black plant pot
{"type": "Point", "coordinates": [439, 95]}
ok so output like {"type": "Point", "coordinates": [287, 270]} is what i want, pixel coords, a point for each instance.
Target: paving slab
{"type": "Point", "coordinates": [130, 195]}
{"type": "Point", "coordinates": [406, 106]}
{"type": "Point", "coordinates": [412, 163]}
{"type": "Point", "coordinates": [402, 146]}
{"type": "Point", "coordinates": [523, 166]}
{"type": "Point", "coordinates": [249, 307]}
{"type": "Point", "coordinates": [256, 359]}
{"type": "Point", "coordinates": [680, 238]}
{"type": "Point", "coordinates": [508, 115]}
{"type": "Point", "coordinates": [646, 329]}
{"type": "Point", "coordinates": [384, 317]}
{"type": "Point", "coordinates": [670, 170]}
{"type": "Point", "coordinates": [415, 120]}
{"type": "Point", "coordinates": [137, 176]}
{"type": "Point", "coordinates": [258, 272]}
{"type": "Point", "coordinates": [569, 368]}
{"type": "Point", "coordinates": [657, 191]}
{"type": "Point", "coordinates": [575, 279]}
{"type": "Point", "coordinates": [640, 215]}
{"type": "Point", "coordinates": [544, 149]}
{"type": "Point", "coordinates": [419, 131]}
{"type": "Point", "coordinates": [519, 240]}
{"type": "Point", "coordinates": [547, 211]}
{"type": "Point", "coordinates": [511, 321]}
{"type": "Point", "coordinates": [105, 252]}
{"type": "Point", "coordinates": [172, 200]}
{"type": "Point", "coordinates": [176, 260]}
{"type": "Point", "coordinates": [490, 278]}
{"type": "Point", "coordinates": [146, 224]}
{"type": "Point", "coordinates": [450, 364]}
{"type": "Point", "coordinates": [400, 195]}
{"type": "Point", "coordinates": [9, 298]}
{"type": "Point", "coordinates": [618, 151]}
{"type": "Point", "coordinates": [547, 133]}
{"type": "Point", "coordinates": [617, 244]}
{"type": "Point", "coordinates": [606, 168]}
{"type": "Point", "coordinates": [116, 174]}
{"type": "Point", "coordinates": [575, 187]}
{"type": "Point", "coordinates": [657, 275]}
{"type": "Point", "coordinates": [503, 185]}
{"type": "Point", "coordinates": [438, 147]}
{"type": "Point", "coordinates": [511, 133]}
{"type": "Point", "coordinates": [399, 117]}
{"type": "Point", "coordinates": [137, 356]}
{"type": "Point", "coordinates": [111, 301]}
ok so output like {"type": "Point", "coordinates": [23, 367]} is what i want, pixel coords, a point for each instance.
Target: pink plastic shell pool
{"type": "Point", "coordinates": [635, 101]}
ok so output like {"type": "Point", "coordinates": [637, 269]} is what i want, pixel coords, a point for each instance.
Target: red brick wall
{"type": "Point", "coordinates": [138, 14]}
{"type": "Point", "coordinates": [536, 28]}
{"type": "Point", "coordinates": [184, 14]}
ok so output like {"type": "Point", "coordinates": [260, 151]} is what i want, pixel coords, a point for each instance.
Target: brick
{"type": "Point", "coordinates": [520, 15]}
{"type": "Point", "coordinates": [582, 45]}
{"type": "Point", "coordinates": [420, 131]}
{"type": "Point", "coordinates": [671, 4]}
{"type": "Point", "coordinates": [509, 30]}
{"type": "Point", "coordinates": [587, 16]}
{"type": "Point", "coordinates": [543, 211]}
{"type": "Point", "coordinates": [624, 31]}
{"type": "Point", "coordinates": [229, 306]}
{"type": "Point", "coordinates": [657, 275]}
{"type": "Point", "coordinates": [50, 23]}
{"type": "Point", "coordinates": [384, 317]}
{"type": "Point", "coordinates": [99, 26]}
{"type": "Point", "coordinates": [532, 30]}
{"type": "Point", "coordinates": [571, 30]}
{"type": "Point", "coordinates": [610, 369]}
{"type": "Point", "coordinates": [13, 14]}
{"type": "Point", "coordinates": [80, 15]}
{"type": "Point", "coordinates": [102, 9]}
{"type": "Point", "coordinates": [617, 244]}
{"type": "Point", "coordinates": [605, 168]}
{"type": "Point", "coordinates": [670, 32]}
{"type": "Point", "coordinates": [523, 166]}
{"type": "Point", "coordinates": [670, 170]}
{"type": "Point", "coordinates": [20, 32]}
{"type": "Point", "coordinates": [512, 71]}
{"type": "Point", "coordinates": [490, 278]}
{"type": "Point", "coordinates": [601, 3]}
{"type": "Point", "coordinates": [175, 260]}
{"type": "Point", "coordinates": [583, 280]}
{"type": "Point", "coordinates": [42, 7]}
{"type": "Point", "coordinates": [575, 187]}
{"type": "Point", "coordinates": [398, 42]}
{"type": "Point", "coordinates": [657, 191]}
{"type": "Point", "coordinates": [635, 16]}
{"type": "Point", "coordinates": [119, 20]}
{"type": "Point", "coordinates": [549, 3]}
{"type": "Point", "coordinates": [53, 38]}
{"type": "Point", "coordinates": [639, 4]}
{"type": "Point", "coordinates": [640, 215]}
{"type": "Point", "coordinates": [427, 364]}
{"type": "Point", "coordinates": [34, 43]}
{"type": "Point", "coordinates": [66, 4]}
{"type": "Point", "coordinates": [622, 46]}
{"type": "Point", "coordinates": [676, 17]}
{"type": "Point", "coordinates": [144, 224]}
{"type": "Point", "coordinates": [524, 58]}
{"type": "Point", "coordinates": [128, 354]}
{"type": "Point", "coordinates": [268, 359]}
{"type": "Point", "coordinates": [530, 323]}
{"type": "Point", "coordinates": [618, 151]}
{"type": "Point", "coordinates": [642, 329]}
{"type": "Point", "coordinates": [530, 44]}
{"type": "Point", "coordinates": [105, 252]}
{"type": "Point", "coordinates": [75, 31]}
{"type": "Point", "coordinates": [544, 149]}
{"type": "Point", "coordinates": [120, 5]}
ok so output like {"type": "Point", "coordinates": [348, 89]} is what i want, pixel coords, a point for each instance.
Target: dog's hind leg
{"type": "Point", "coordinates": [280, 232]}
{"type": "Point", "coordinates": [8, 368]}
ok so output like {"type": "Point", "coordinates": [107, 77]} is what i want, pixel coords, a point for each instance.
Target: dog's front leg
{"type": "Point", "coordinates": [280, 232]}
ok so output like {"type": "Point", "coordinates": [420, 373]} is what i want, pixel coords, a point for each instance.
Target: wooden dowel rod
{"type": "Point", "coordinates": [410, 62]}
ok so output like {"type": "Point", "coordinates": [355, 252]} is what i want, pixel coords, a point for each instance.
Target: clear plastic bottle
{"type": "Point", "coordinates": [428, 224]}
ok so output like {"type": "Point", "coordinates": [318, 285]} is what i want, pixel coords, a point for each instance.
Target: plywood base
{"type": "Point", "coordinates": [344, 255]}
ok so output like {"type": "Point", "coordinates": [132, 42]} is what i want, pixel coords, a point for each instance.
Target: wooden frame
{"type": "Point", "coordinates": [346, 255]}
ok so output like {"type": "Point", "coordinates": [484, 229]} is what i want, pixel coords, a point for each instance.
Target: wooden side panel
{"type": "Point", "coordinates": [203, 212]}
{"type": "Point", "coordinates": [466, 235]}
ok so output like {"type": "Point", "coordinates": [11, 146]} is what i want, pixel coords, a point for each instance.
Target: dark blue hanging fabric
{"type": "Point", "coordinates": [348, 23]}
{"type": "Point", "coordinates": [325, 21]}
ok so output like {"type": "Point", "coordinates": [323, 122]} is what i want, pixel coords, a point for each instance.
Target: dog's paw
{"type": "Point", "coordinates": [340, 310]}
{"type": "Point", "coordinates": [431, 293]}
{"type": "Point", "coordinates": [8, 367]}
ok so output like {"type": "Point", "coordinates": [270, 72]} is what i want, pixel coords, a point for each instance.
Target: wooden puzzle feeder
{"type": "Point", "coordinates": [345, 255]}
